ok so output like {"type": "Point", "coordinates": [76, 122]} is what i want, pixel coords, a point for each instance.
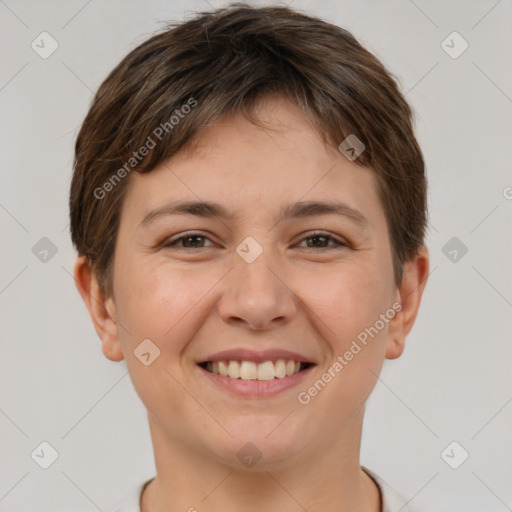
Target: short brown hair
{"type": "Point", "coordinates": [227, 61]}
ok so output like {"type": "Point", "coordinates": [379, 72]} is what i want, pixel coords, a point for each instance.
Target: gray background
{"type": "Point", "coordinates": [453, 381]}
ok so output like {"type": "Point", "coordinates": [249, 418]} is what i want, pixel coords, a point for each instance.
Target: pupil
{"type": "Point", "coordinates": [316, 237]}
{"type": "Point", "coordinates": [193, 237]}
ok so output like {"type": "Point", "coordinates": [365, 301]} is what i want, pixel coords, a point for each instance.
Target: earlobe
{"type": "Point", "coordinates": [101, 310]}
{"type": "Point", "coordinates": [415, 274]}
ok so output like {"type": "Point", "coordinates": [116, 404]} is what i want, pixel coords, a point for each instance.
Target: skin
{"type": "Point", "coordinates": [313, 300]}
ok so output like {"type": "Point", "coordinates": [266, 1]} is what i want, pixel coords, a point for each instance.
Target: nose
{"type": "Point", "coordinates": [257, 295]}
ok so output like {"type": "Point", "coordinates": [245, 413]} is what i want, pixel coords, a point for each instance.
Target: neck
{"type": "Point", "coordinates": [188, 479]}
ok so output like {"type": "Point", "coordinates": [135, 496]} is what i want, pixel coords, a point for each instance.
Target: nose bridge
{"type": "Point", "coordinates": [256, 293]}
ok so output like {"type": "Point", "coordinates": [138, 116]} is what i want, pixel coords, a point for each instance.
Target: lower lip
{"type": "Point", "coordinates": [256, 388]}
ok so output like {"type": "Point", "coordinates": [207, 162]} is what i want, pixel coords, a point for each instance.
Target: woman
{"type": "Point", "coordinates": [262, 261]}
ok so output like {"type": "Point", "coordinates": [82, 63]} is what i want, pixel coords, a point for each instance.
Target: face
{"type": "Point", "coordinates": [269, 281]}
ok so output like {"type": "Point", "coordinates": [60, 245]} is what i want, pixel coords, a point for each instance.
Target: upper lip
{"type": "Point", "coordinates": [244, 354]}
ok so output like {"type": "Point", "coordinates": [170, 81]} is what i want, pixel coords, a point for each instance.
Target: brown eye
{"type": "Point", "coordinates": [188, 241]}
{"type": "Point", "coordinates": [321, 240]}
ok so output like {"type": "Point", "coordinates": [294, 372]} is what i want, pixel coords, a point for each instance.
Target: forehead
{"type": "Point", "coordinates": [253, 170]}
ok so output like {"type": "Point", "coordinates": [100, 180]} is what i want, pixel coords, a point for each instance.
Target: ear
{"type": "Point", "coordinates": [101, 309]}
{"type": "Point", "coordinates": [415, 274]}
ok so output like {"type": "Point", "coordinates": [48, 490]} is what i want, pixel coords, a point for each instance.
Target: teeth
{"type": "Point", "coordinates": [223, 368]}
{"type": "Point", "coordinates": [249, 370]}
{"type": "Point", "coordinates": [234, 369]}
{"type": "Point", "coordinates": [280, 368]}
{"type": "Point", "coordinates": [266, 371]}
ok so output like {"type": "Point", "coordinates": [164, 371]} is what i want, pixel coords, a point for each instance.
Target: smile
{"type": "Point", "coordinates": [250, 370]}
{"type": "Point", "coordinates": [252, 380]}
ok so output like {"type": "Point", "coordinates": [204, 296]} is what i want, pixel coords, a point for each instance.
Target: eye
{"type": "Point", "coordinates": [191, 241]}
{"type": "Point", "coordinates": [320, 239]}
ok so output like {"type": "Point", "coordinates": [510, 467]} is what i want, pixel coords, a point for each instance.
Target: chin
{"type": "Point", "coordinates": [258, 449]}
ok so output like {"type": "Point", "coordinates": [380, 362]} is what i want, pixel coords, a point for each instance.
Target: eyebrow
{"type": "Point", "coordinates": [302, 209]}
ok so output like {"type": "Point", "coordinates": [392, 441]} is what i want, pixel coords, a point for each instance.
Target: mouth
{"type": "Point", "coordinates": [251, 370]}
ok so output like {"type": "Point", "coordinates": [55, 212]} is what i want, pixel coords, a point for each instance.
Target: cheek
{"type": "Point", "coordinates": [158, 303]}
{"type": "Point", "coordinates": [363, 296]}
{"type": "Point", "coordinates": [165, 303]}
{"type": "Point", "coordinates": [346, 300]}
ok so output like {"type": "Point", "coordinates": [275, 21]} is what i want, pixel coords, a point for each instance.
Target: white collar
{"type": "Point", "coordinates": [391, 500]}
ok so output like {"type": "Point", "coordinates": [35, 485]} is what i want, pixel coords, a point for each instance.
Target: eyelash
{"type": "Point", "coordinates": [338, 243]}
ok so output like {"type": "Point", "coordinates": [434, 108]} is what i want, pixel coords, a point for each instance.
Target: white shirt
{"type": "Point", "coordinates": [391, 500]}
